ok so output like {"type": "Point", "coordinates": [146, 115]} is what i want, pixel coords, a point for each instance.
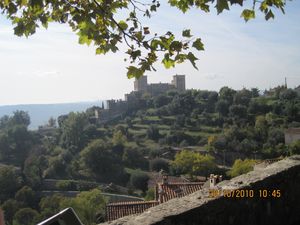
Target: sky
{"type": "Point", "coordinates": [51, 67]}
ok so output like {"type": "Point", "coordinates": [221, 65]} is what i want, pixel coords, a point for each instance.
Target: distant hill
{"type": "Point", "coordinates": [40, 113]}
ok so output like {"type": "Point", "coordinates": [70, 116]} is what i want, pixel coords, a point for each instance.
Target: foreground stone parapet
{"type": "Point", "coordinates": [275, 200]}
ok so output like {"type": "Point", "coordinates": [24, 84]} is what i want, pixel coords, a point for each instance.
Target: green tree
{"type": "Point", "coordinates": [15, 139]}
{"type": "Point", "coordinates": [153, 132]}
{"type": "Point", "coordinates": [241, 166]}
{"type": "Point", "coordinates": [22, 141]}
{"type": "Point", "coordinates": [20, 118]}
{"type": "Point", "coordinates": [159, 164]}
{"type": "Point", "coordinates": [150, 194]}
{"type": "Point", "coordinates": [97, 22]}
{"type": "Point", "coordinates": [242, 97]}
{"type": "Point", "coordinates": [212, 97]}
{"type": "Point", "coordinates": [26, 216]}
{"type": "Point", "coordinates": [101, 162]}
{"type": "Point", "coordinates": [254, 92]}
{"type": "Point", "coordinates": [222, 107]}
{"type": "Point", "coordinates": [119, 138]}
{"type": "Point", "coordinates": [238, 111]}
{"type": "Point", "coordinates": [161, 100]}
{"type": "Point", "coordinates": [139, 180]}
{"type": "Point", "coordinates": [193, 163]}
{"type": "Point", "coordinates": [261, 126]}
{"type": "Point", "coordinates": [73, 131]}
{"type": "Point", "coordinates": [34, 167]}
{"type": "Point", "coordinates": [204, 165]}
{"type": "Point", "coordinates": [89, 205]}
{"type": "Point", "coordinates": [220, 143]}
{"type": "Point", "coordinates": [288, 94]}
{"type": "Point", "coordinates": [50, 205]}
{"type": "Point", "coordinates": [52, 122]}
{"type": "Point", "coordinates": [295, 147]}
{"type": "Point", "coordinates": [26, 196]}
{"type": "Point", "coordinates": [133, 158]}
{"type": "Point", "coordinates": [227, 94]}
{"type": "Point", "coordinates": [5, 147]}
{"type": "Point", "coordinates": [10, 207]}
{"type": "Point", "coordinates": [10, 182]}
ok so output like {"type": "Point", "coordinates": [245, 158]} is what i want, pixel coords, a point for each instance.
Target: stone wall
{"type": "Point", "coordinates": [198, 208]}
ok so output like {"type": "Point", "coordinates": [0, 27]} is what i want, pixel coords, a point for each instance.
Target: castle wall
{"type": "Point", "coordinates": [141, 84]}
{"type": "Point", "coordinates": [159, 88]}
{"type": "Point", "coordinates": [179, 82]}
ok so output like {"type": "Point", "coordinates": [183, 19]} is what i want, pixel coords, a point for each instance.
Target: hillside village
{"type": "Point", "coordinates": [163, 141]}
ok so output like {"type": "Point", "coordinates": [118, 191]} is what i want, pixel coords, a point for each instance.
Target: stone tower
{"type": "Point", "coordinates": [179, 82]}
{"type": "Point", "coordinates": [141, 84]}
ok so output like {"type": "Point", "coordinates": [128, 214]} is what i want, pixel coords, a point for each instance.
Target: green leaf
{"type": "Point", "coordinates": [133, 71]}
{"type": "Point", "coordinates": [84, 39]}
{"type": "Point", "coordinates": [123, 25]}
{"type": "Point", "coordinates": [100, 51]}
{"type": "Point", "coordinates": [153, 8]}
{"type": "Point", "coordinates": [135, 54]}
{"type": "Point", "coordinates": [168, 63]}
{"type": "Point", "coordinates": [192, 58]}
{"type": "Point", "coordinates": [176, 46]}
{"type": "Point", "coordinates": [139, 35]}
{"type": "Point", "coordinates": [6, 2]}
{"type": "Point", "coordinates": [221, 5]}
{"type": "Point", "coordinates": [19, 29]}
{"type": "Point", "coordinates": [180, 58]}
{"type": "Point", "coordinates": [155, 43]}
{"type": "Point", "coordinates": [198, 44]}
{"type": "Point", "coordinates": [24, 2]}
{"type": "Point", "coordinates": [248, 14]}
{"type": "Point", "coordinates": [263, 6]}
{"type": "Point", "coordinates": [186, 33]}
{"type": "Point", "coordinates": [269, 15]}
{"type": "Point", "coordinates": [240, 2]}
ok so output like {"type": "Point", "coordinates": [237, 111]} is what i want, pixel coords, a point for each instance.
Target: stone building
{"type": "Point", "coordinates": [115, 108]}
{"type": "Point", "coordinates": [141, 85]}
{"type": "Point", "coordinates": [179, 82]}
{"type": "Point", "coordinates": [291, 135]}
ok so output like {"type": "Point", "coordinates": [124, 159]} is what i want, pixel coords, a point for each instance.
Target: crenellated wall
{"type": "Point", "coordinates": [281, 180]}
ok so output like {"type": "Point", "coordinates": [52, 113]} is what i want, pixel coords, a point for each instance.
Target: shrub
{"type": "Point", "coordinates": [241, 166]}
{"type": "Point", "coordinates": [140, 181]}
{"type": "Point", "coordinates": [159, 164]}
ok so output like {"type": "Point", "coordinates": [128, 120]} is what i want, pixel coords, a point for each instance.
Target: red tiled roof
{"type": "Point", "coordinates": [156, 177]}
{"type": "Point", "coordinates": [121, 209]}
{"type": "Point", "coordinates": [168, 191]}
{"type": "Point", "coordinates": [163, 192]}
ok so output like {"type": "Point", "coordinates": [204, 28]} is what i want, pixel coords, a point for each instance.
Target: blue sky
{"type": "Point", "coordinates": [51, 67]}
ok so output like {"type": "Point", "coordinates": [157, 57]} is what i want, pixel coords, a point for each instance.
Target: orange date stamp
{"type": "Point", "coordinates": [245, 193]}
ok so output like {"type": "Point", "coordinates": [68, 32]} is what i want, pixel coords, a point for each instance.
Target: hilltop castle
{"type": "Point", "coordinates": [141, 84]}
{"type": "Point", "coordinates": [115, 108]}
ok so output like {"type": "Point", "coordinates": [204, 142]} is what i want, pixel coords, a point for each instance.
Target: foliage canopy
{"type": "Point", "coordinates": [96, 21]}
{"type": "Point", "coordinates": [241, 166]}
{"type": "Point", "coordinates": [193, 163]}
